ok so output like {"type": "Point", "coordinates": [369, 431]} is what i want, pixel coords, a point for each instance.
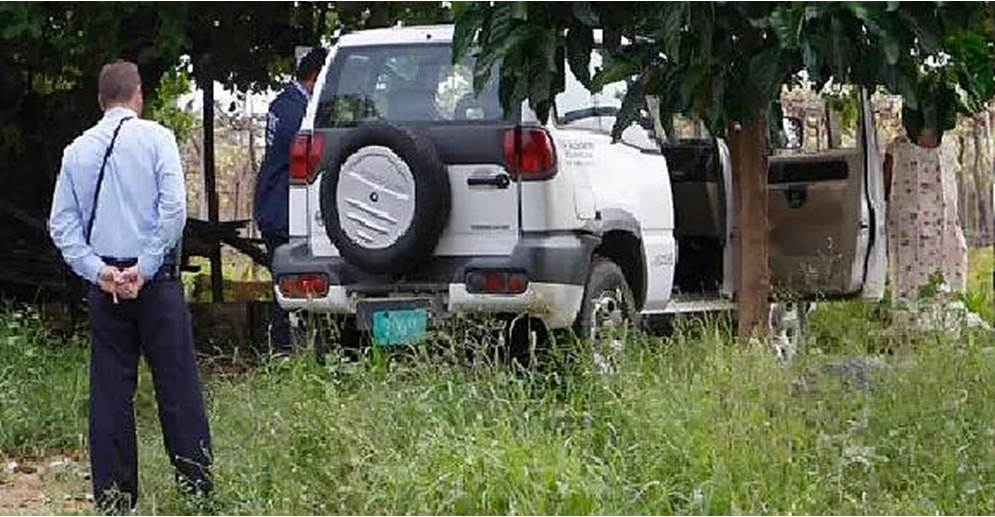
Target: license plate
{"type": "Point", "coordinates": [400, 327]}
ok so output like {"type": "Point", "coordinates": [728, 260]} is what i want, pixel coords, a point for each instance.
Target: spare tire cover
{"type": "Point", "coordinates": [385, 198]}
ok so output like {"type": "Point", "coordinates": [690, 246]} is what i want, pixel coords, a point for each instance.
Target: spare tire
{"type": "Point", "coordinates": [385, 198]}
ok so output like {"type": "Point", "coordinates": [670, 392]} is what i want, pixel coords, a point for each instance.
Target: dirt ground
{"type": "Point", "coordinates": [53, 485]}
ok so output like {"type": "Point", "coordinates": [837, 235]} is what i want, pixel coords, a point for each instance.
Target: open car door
{"type": "Point", "coordinates": [827, 217]}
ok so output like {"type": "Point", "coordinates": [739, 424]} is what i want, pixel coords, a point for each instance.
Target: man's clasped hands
{"type": "Point", "coordinates": [121, 283]}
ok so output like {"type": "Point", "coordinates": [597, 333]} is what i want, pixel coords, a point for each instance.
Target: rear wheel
{"type": "Point", "coordinates": [527, 341]}
{"type": "Point", "coordinates": [788, 327]}
{"type": "Point", "coordinates": [607, 313]}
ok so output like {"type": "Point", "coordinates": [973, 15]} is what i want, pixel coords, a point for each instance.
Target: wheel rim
{"type": "Point", "coordinates": [786, 326]}
{"type": "Point", "coordinates": [607, 314]}
{"type": "Point", "coordinates": [608, 320]}
{"type": "Point", "coordinates": [375, 197]}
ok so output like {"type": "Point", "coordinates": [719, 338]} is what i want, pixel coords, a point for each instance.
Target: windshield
{"type": "Point", "coordinates": [403, 83]}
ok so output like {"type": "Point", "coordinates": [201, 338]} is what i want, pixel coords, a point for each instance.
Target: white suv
{"type": "Point", "coordinates": [412, 199]}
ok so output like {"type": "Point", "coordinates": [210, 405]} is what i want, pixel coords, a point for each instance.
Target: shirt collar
{"type": "Point", "coordinates": [303, 90]}
{"type": "Point", "coordinates": [119, 112]}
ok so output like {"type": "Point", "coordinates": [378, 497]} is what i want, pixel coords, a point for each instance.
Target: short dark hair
{"type": "Point", "coordinates": [311, 63]}
{"type": "Point", "coordinates": [118, 81]}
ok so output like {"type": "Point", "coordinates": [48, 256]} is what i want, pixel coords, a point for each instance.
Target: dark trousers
{"type": "Point", "coordinates": [279, 331]}
{"type": "Point", "coordinates": [156, 324]}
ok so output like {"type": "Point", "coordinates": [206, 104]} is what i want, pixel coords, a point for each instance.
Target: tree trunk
{"type": "Point", "coordinates": [966, 206]}
{"type": "Point", "coordinates": [255, 168]}
{"type": "Point", "coordinates": [211, 189]}
{"type": "Point", "coordinates": [748, 148]}
{"type": "Point", "coordinates": [925, 236]}
{"type": "Point", "coordinates": [834, 128]}
{"type": "Point", "coordinates": [982, 187]}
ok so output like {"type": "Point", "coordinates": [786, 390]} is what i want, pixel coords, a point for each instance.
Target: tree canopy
{"type": "Point", "coordinates": [725, 62]}
{"type": "Point", "coordinates": [50, 54]}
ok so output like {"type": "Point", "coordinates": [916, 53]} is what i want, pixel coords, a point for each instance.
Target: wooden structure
{"type": "Point", "coordinates": [204, 238]}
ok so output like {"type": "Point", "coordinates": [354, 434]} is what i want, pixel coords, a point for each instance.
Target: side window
{"type": "Point", "coordinates": [815, 122]}
{"type": "Point", "coordinates": [574, 105]}
{"type": "Point", "coordinates": [687, 128]}
{"type": "Point", "coordinates": [351, 104]}
{"type": "Point", "coordinates": [577, 107]}
{"type": "Point", "coordinates": [842, 113]}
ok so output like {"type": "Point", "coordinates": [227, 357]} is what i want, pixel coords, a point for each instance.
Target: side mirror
{"type": "Point", "coordinates": [793, 131]}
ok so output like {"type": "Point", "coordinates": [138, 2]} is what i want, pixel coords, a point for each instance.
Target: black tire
{"type": "Point", "coordinates": [518, 337]}
{"type": "Point", "coordinates": [432, 200]}
{"type": "Point", "coordinates": [607, 292]}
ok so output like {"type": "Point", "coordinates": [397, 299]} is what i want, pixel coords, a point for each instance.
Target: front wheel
{"type": "Point", "coordinates": [607, 313]}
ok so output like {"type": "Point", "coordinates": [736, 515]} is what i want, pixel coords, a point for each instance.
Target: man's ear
{"type": "Point", "coordinates": [137, 100]}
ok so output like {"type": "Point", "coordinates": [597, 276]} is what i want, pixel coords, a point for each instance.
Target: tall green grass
{"type": "Point", "coordinates": [979, 296]}
{"type": "Point", "coordinates": [690, 424]}
{"type": "Point", "coordinates": [43, 387]}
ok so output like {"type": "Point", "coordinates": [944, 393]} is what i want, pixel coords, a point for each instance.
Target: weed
{"type": "Point", "coordinates": [688, 423]}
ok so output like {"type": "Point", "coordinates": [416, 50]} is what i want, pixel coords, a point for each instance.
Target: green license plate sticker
{"type": "Point", "coordinates": [399, 327]}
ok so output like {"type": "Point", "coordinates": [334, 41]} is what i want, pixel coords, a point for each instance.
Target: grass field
{"type": "Point", "coordinates": [870, 418]}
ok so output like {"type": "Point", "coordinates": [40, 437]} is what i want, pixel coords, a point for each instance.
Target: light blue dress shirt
{"type": "Point", "coordinates": [142, 207]}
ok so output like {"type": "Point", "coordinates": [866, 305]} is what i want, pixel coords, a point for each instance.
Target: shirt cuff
{"type": "Point", "coordinates": [148, 265]}
{"type": "Point", "coordinates": [90, 268]}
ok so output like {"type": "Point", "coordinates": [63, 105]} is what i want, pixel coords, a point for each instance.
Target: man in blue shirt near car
{"type": "Point", "coordinates": [117, 217]}
{"type": "Point", "coordinates": [273, 183]}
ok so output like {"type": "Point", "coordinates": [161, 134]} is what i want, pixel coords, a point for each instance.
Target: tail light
{"type": "Point", "coordinates": [304, 286]}
{"type": "Point", "coordinates": [529, 153]}
{"type": "Point", "coordinates": [496, 282]}
{"type": "Point", "coordinates": [305, 154]}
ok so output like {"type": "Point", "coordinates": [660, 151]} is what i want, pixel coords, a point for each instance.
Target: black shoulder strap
{"type": "Point", "coordinates": [100, 179]}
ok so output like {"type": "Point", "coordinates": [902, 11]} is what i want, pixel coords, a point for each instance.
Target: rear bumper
{"type": "Point", "coordinates": [555, 304]}
{"type": "Point", "coordinates": [556, 263]}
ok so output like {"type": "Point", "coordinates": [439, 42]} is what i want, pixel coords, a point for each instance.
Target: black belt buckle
{"type": "Point", "coordinates": [168, 271]}
{"type": "Point", "coordinates": [120, 263]}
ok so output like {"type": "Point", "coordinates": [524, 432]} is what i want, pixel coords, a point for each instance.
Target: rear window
{"type": "Point", "coordinates": [403, 83]}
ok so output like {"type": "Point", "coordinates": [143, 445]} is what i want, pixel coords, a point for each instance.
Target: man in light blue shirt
{"type": "Point", "coordinates": [142, 209]}
{"type": "Point", "coordinates": [117, 217]}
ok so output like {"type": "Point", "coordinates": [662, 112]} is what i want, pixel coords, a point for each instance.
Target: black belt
{"type": "Point", "coordinates": [167, 271]}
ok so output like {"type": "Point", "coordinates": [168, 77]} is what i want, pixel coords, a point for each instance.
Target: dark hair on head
{"type": "Point", "coordinates": [311, 63]}
{"type": "Point", "coordinates": [118, 82]}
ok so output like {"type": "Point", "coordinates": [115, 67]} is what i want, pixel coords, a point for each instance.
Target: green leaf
{"type": "Point", "coordinates": [469, 17]}
{"type": "Point", "coordinates": [633, 102]}
{"type": "Point", "coordinates": [766, 72]}
{"type": "Point", "coordinates": [618, 69]}
{"type": "Point", "coordinates": [674, 17]}
{"type": "Point", "coordinates": [585, 14]}
{"type": "Point", "coordinates": [579, 45]}
{"type": "Point", "coordinates": [520, 10]}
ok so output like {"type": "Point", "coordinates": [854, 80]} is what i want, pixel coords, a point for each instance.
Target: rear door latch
{"type": "Point", "coordinates": [500, 180]}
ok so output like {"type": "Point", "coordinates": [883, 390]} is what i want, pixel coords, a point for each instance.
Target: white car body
{"type": "Point", "coordinates": [601, 190]}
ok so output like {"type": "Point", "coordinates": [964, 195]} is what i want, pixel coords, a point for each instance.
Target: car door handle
{"type": "Point", "coordinates": [794, 195]}
{"type": "Point", "coordinates": [501, 180]}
